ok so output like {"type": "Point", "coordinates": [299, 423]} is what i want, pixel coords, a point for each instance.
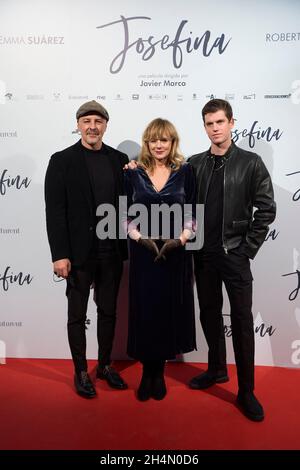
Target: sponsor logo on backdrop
{"type": "Point", "coordinates": [9, 231]}
{"type": "Point", "coordinates": [251, 96]}
{"type": "Point", "coordinates": [158, 96]}
{"type": "Point", "coordinates": [229, 96]}
{"type": "Point", "coordinates": [296, 195]}
{"type": "Point", "coordinates": [9, 97]}
{"type": "Point", "coordinates": [183, 42]}
{"type": "Point", "coordinates": [101, 97]}
{"type": "Point", "coordinates": [12, 182]}
{"type": "Point", "coordinates": [8, 278]}
{"type": "Point", "coordinates": [195, 97]}
{"type": "Point", "coordinates": [256, 133]}
{"type": "Point", "coordinates": [211, 96]}
{"type": "Point", "coordinates": [8, 134]}
{"type": "Point", "coordinates": [294, 293]}
{"type": "Point", "coordinates": [274, 97]}
{"type": "Point", "coordinates": [56, 96]}
{"type": "Point", "coordinates": [44, 40]}
{"type": "Point", "coordinates": [135, 96]}
{"type": "Point", "coordinates": [282, 37]}
{"type": "Point", "coordinates": [260, 330]}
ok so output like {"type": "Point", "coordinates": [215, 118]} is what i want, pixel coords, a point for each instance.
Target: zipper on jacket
{"type": "Point", "coordinates": [208, 183]}
{"type": "Point", "coordinates": [223, 244]}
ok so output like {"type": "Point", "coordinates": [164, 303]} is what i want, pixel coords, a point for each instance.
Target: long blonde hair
{"type": "Point", "coordinates": [159, 129]}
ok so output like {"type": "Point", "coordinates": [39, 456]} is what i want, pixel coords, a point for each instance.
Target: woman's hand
{"type": "Point", "coordinates": [168, 246]}
{"type": "Point", "coordinates": [149, 245]}
{"type": "Point", "coordinates": [132, 165]}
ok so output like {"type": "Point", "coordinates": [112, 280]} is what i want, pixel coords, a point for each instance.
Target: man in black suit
{"type": "Point", "coordinates": [78, 180]}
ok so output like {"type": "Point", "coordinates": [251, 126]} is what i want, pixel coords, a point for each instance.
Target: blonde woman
{"type": "Point", "coordinates": [161, 302]}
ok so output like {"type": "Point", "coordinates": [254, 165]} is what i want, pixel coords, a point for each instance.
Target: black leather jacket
{"type": "Point", "coordinates": [70, 211]}
{"type": "Point", "coordinates": [247, 185]}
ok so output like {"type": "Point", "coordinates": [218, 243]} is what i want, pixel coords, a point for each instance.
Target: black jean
{"type": "Point", "coordinates": [234, 270]}
{"type": "Point", "coordinates": [105, 275]}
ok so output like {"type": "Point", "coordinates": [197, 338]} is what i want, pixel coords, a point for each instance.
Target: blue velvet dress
{"type": "Point", "coordinates": [161, 296]}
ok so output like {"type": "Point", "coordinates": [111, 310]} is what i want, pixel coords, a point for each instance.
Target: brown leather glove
{"type": "Point", "coordinates": [149, 245]}
{"type": "Point", "coordinates": [168, 246]}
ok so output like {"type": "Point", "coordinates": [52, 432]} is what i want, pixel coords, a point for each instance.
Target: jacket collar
{"type": "Point", "coordinates": [227, 155]}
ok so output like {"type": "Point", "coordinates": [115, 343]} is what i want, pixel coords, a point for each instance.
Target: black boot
{"type": "Point", "coordinates": [159, 389]}
{"type": "Point", "coordinates": [144, 390]}
{"type": "Point", "coordinates": [250, 406]}
{"type": "Point", "coordinates": [84, 385]}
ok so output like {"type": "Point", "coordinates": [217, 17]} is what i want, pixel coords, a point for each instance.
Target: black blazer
{"type": "Point", "coordinates": [70, 215]}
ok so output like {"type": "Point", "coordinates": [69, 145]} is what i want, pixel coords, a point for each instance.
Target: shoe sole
{"type": "Point", "coordinates": [84, 395]}
{"type": "Point", "coordinates": [219, 380]}
{"type": "Point", "coordinates": [116, 387]}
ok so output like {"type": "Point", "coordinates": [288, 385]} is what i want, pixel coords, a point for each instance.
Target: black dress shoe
{"type": "Point", "coordinates": [250, 406]}
{"type": "Point", "coordinates": [159, 389]}
{"type": "Point", "coordinates": [112, 377]}
{"type": "Point", "coordinates": [83, 385]}
{"type": "Point", "coordinates": [207, 379]}
{"type": "Point", "coordinates": [144, 390]}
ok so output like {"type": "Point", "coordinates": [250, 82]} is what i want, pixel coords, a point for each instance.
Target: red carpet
{"type": "Point", "coordinates": [40, 410]}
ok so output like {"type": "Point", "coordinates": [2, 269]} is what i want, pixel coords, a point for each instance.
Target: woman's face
{"type": "Point", "coordinates": [160, 148]}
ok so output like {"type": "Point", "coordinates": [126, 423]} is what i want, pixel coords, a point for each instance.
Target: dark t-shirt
{"type": "Point", "coordinates": [213, 211]}
{"type": "Point", "coordinates": [103, 188]}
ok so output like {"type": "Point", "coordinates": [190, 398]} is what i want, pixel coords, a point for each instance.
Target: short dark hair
{"type": "Point", "coordinates": [215, 105]}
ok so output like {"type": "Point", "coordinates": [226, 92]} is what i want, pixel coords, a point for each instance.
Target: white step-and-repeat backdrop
{"type": "Point", "coordinates": [142, 60]}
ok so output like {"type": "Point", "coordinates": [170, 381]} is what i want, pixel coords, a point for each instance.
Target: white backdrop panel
{"type": "Point", "coordinates": [54, 56]}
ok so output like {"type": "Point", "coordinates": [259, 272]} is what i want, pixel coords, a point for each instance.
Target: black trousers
{"type": "Point", "coordinates": [233, 269]}
{"type": "Point", "coordinates": [105, 275]}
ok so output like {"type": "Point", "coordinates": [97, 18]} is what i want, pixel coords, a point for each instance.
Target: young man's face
{"type": "Point", "coordinates": [92, 128]}
{"type": "Point", "coordinates": [218, 128]}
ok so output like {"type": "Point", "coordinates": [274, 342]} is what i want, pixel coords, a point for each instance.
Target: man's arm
{"type": "Point", "coordinates": [264, 215]}
{"type": "Point", "coordinates": [56, 211]}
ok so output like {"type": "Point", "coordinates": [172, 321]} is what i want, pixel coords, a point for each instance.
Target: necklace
{"type": "Point", "coordinates": [219, 163]}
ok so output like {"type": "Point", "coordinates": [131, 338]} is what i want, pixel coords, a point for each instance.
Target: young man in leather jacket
{"type": "Point", "coordinates": [236, 189]}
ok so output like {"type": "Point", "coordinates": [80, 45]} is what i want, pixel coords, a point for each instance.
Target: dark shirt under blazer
{"type": "Point", "coordinates": [69, 200]}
